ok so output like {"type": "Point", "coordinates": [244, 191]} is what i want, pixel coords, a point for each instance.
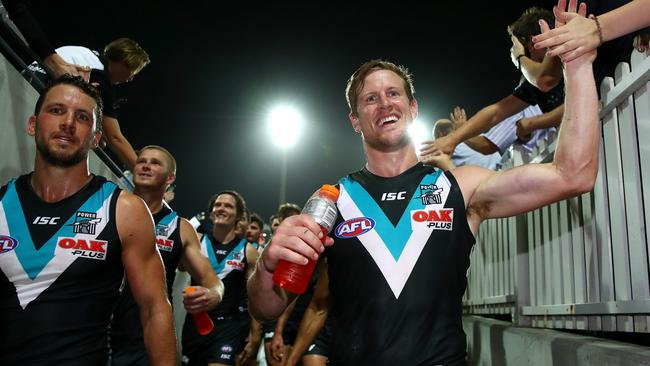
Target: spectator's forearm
{"type": "Point", "coordinates": [625, 19]}
{"type": "Point", "coordinates": [124, 151]}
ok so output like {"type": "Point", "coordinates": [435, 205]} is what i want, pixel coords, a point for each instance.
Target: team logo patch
{"type": "Point", "coordinates": [442, 219]}
{"type": "Point", "coordinates": [430, 194]}
{"type": "Point", "coordinates": [161, 230]}
{"type": "Point", "coordinates": [164, 244]}
{"type": "Point", "coordinates": [92, 249]}
{"type": "Point", "coordinates": [7, 244]}
{"type": "Point", "coordinates": [85, 223]}
{"type": "Point", "coordinates": [354, 227]}
{"type": "Point", "coordinates": [226, 349]}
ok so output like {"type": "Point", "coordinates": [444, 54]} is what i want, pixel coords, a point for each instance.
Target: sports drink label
{"type": "Point", "coordinates": [323, 211]}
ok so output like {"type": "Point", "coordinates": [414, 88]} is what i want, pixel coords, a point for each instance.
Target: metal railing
{"type": "Point", "coordinates": [20, 56]}
{"type": "Point", "coordinates": [581, 263]}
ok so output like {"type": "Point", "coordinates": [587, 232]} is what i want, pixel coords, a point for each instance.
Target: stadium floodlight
{"type": "Point", "coordinates": [285, 124]}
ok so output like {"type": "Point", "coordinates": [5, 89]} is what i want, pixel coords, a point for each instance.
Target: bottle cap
{"type": "Point", "coordinates": [330, 192]}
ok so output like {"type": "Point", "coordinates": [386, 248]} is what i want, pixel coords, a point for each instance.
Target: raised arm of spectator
{"type": "Point", "coordinates": [118, 143]}
{"type": "Point", "coordinates": [440, 160]}
{"type": "Point", "coordinates": [572, 172]}
{"type": "Point", "coordinates": [526, 126]}
{"type": "Point", "coordinates": [578, 35]}
{"type": "Point", "coordinates": [23, 18]}
{"type": "Point", "coordinates": [146, 276]}
{"type": "Point", "coordinates": [480, 122]}
{"type": "Point", "coordinates": [543, 75]}
{"type": "Point", "coordinates": [314, 318]}
{"type": "Point", "coordinates": [482, 144]}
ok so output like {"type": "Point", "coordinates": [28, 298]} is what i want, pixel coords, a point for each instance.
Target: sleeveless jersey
{"type": "Point", "coordinates": [397, 270]}
{"type": "Point", "coordinates": [61, 271]}
{"type": "Point", "coordinates": [229, 263]}
{"type": "Point", "coordinates": [126, 329]}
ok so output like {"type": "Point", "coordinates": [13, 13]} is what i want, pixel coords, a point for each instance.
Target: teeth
{"type": "Point", "coordinates": [388, 119]}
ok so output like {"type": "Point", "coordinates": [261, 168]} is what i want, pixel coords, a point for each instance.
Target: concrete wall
{"type": "Point", "coordinates": [17, 100]}
{"type": "Point", "coordinates": [497, 343]}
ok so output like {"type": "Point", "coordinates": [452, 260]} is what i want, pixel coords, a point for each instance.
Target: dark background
{"type": "Point", "coordinates": [218, 68]}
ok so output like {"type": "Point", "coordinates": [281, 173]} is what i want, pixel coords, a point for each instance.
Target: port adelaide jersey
{"type": "Point", "coordinates": [228, 260]}
{"type": "Point", "coordinates": [61, 271]}
{"type": "Point", "coordinates": [397, 269]}
{"type": "Point", "coordinates": [126, 329]}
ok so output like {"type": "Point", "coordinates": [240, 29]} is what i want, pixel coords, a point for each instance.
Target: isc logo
{"type": "Point", "coordinates": [7, 244]}
{"type": "Point", "coordinates": [437, 219]}
{"type": "Point", "coordinates": [164, 244]}
{"type": "Point", "coordinates": [354, 227]}
{"type": "Point", "coordinates": [93, 249]}
{"type": "Point", "coordinates": [392, 196]}
{"type": "Point", "coordinates": [46, 220]}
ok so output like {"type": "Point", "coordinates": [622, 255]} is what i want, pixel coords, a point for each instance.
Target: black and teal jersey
{"type": "Point", "coordinates": [126, 329]}
{"type": "Point", "coordinates": [61, 271]}
{"type": "Point", "coordinates": [228, 260]}
{"type": "Point", "coordinates": [397, 269]}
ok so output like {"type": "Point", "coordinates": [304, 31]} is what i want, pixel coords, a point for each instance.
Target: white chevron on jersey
{"type": "Point", "coordinates": [28, 289]}
{"type": "Point", "coordinates": [395, 272]}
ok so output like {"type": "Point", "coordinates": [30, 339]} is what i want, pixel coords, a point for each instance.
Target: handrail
{"type": "Point", "coordinates": [16, 51]}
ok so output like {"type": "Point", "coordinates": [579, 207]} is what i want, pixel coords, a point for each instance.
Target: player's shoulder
{"type": "Point", "coordinates": [131, 205]}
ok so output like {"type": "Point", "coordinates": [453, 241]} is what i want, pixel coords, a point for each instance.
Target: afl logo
{"type": "Point", "coordinates": [7, 244]}
{"type": "Point", "coordinates": [354, 227]}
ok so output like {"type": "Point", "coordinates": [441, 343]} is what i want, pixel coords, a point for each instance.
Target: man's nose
{"type": "Point", "coordinates": [384, 101]}
{"type": "Point", "coordinates": [68, 120]}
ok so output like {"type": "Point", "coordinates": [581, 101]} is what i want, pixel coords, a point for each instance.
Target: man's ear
{"type": "Point", "coordinates": [413, 105]}
{"type": "Point", "coordinates": [354, 121]}
{"type": "Point", "coordinates": [31, 126]}
{"type": "Point", "coordinates": [170, 179]}
{"type": "Point", "coordinates": [97, 139]}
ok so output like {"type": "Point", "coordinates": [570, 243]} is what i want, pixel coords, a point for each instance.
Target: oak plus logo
{"type": "Point", "coordinates": [85, 223]}
{"type": "Point", "coordinates": [237, 260]}
{"type": "Point", "coordinates": [164, 244]}
{"type": "Point", "coordinates": [442, 219]}
{"type": "Point", "coordinates": [92, 249]}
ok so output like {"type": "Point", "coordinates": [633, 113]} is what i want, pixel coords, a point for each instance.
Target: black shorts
{"type": "Point", "coordinates": [129, 357]}
{"type": "Point", "coordinates": [223, 345]}
{"type": "Point", "coordinates": [320, 347]}
{"type": "Point", "coordinates": [268, 329]}
{"type": "Point", "coordinates": [288, 333]}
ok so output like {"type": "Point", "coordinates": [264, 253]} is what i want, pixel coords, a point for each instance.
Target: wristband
{"type": "Point", "coordinates": [600, 30]}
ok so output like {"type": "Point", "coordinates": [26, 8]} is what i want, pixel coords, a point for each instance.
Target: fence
{"type": "Point", "coordinates": [580, 263]}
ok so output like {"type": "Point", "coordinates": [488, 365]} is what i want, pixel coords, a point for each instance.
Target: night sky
{"type": "Point", "coordinates": [219, 67]}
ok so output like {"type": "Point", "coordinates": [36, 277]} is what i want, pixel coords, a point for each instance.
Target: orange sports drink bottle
{"type": "Point", "coordinates": [202, 321]}
{"type": "Point", "coordinates": [321, 206]}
